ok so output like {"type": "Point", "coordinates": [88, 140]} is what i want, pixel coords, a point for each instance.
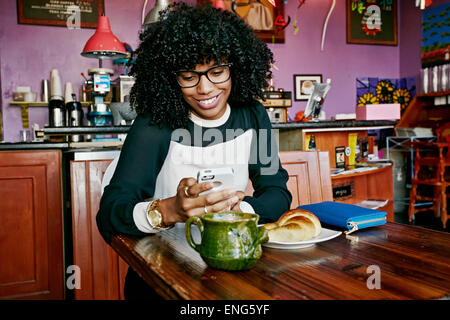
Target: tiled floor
{"type": "Point", "coordinates": [424, 219]}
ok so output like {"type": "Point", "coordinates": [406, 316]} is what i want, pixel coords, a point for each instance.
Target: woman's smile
{"type": "Point", "coordinates": [208, 103]}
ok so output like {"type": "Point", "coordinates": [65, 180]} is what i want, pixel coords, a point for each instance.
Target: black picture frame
{"type": "Point", "coordinates": [47, 12]}
{"type": "Point", "coordinates": [382, 31]}
{"type": "Point", "coordinates": [300, 81]}
{"type": "Point", "coordinates": [340, 157]}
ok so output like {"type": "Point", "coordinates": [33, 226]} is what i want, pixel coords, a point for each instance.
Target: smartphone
{"type": "Point", "coordinates": [222, 178]}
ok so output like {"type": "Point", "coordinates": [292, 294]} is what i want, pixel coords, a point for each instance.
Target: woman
{"type": "Point", "coordinates": [198, 72]}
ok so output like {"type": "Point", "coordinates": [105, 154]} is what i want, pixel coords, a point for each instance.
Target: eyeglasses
{"type": "Point", "coordinates": [216, 74]}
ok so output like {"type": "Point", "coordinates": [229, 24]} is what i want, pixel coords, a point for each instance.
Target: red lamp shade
{"type": "Point", "coordinates": [220, 4]}
{"type": "Point", "coordinates": [104, 44]}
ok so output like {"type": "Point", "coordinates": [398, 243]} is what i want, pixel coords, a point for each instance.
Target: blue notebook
{"type": "Point", "coordinates": [345, 215]}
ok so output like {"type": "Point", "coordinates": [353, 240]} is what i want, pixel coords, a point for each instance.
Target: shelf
{"type": "Point", "coordinates": [84, 130]}
{"type": "Point", "coordinates": [421, 112]}
{"type": "Point", "coordinates": [43, 104]}
{"type": "Point", "coordinates": [375, 204]}
{"type": "Point", "coordinates": [363, 173]}
{"type": "Point", "coordinates": [33, 145]}
{"type": "Point", "coordinates": [25, 105]}
{"type": "Point", "coordinates": [29, 104]}
{"type": "Point", "coordinates": [347, 124]}
{"type": "Point", "coordinates": [369, 185]}
{"type": "Point", "coordinates": [90, 144]}
{"type": "Point", "coordinates": [434, 94]}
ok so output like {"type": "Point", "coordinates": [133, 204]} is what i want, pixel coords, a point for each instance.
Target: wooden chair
{"type": "Point", "coordinates": [431, 160]}
{"type": "Point", "coordinates": [309, 176]}
{"type": "Point", "coordinates": [103, 271]}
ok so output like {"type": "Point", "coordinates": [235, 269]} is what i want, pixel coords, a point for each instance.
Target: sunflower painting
{"type": "Point", "coordinates": [384, 91]}
{"type": "Point", "coordinates": [403, 97]}
{"type": "Point", "coordinates": [367, 98]}
{"type": "Point", "coordinates": [381, 91]}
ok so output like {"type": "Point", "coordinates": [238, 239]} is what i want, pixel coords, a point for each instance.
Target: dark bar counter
{"type": "Point", "coordinates": [334, 124]}
{"type": "Point", "coordinates": [289, 125]}
{"type": "Point", "coordinates": [33, 145]}
{"type": "Point", "coordinates": [47, 131]}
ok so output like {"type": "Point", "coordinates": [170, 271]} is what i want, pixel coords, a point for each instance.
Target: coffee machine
{"type": "Point", "coordinates": [99, 85]}
{"type": "Point", "coordinates": [120, 107]}
{"type": "Point", "coordinates": [98, 88]}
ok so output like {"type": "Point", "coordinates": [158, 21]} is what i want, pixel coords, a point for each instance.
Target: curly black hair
{"type": "Point", "coordinates": [184, 37]}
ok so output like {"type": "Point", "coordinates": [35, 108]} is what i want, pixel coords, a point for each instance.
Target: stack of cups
{"type": "Point", "coordinates": [55, 83]}
{"type": "Point", "coordinates": [68, 93]}
{"type": "Point", "coordinates": [435, 79]}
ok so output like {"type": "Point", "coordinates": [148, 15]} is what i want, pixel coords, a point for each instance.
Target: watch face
{"type": "Point", "coordinates": [155, 218]}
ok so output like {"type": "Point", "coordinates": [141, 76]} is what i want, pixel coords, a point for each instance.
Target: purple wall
{"type": "Point", "coordinates": [340, 61]}
{"type": "Point", "coordinates": [29, 52]}
{"type": "Point", "coordinates": [411, 37]}
{"type": "Point", "coordinates": [410, 32]}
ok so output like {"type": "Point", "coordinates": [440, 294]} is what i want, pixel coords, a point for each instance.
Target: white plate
{"type": "Point", "coordinates": [325, 235]}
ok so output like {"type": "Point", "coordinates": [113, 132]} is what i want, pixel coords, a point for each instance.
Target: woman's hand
{"type": "Point", "coordinates": [188, 202]}
{"type": "Point", "coordinates": [237, 207]}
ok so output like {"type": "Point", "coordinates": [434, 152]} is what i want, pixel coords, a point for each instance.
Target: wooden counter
{"type": "Point", "coordinates": [413, 263]}
{"type": "Point", "coordinates": [31, 225]}
{"type": "Point", "coordinates": [328, 134]}
{"type": "Point", "coordinates": [374, 184]}
{"type": "Point", "coordinates": [331, 134]}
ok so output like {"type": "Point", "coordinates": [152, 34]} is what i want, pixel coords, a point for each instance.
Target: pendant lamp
{"type": "Point", "coordinates": [104, 44]}
{"type": "Point", "coordinates": [153, 15]}
{"type": "Point", "coordinates": [220, 4]}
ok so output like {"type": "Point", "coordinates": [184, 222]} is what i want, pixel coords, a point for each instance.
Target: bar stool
{"type": "Point", "coordinates": [431, 160]}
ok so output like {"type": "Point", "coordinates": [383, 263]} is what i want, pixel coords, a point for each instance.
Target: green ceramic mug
{"type": "Point", "coordinates": [229, 240]}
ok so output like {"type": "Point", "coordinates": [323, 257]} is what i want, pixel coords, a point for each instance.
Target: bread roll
{"type": "Point", "coordinates": [293, 226]}
{"type": "Point", "coordinates": [300, 215]}
{"type": "Point", "coordinates": [270, 226]}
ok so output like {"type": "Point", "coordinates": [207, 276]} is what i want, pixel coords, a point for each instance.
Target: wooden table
{"type": "Point", "coordinates": [413, 263]}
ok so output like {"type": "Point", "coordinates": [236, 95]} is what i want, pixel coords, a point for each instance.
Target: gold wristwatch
{"type": "Point", "coordinates": [154, 216]}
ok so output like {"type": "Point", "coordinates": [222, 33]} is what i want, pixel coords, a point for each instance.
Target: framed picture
{"type": "Point", "coordinates": [266, 20]}
{"type": "Point", "coordinates": [372, 22]}
{"type": "Point", "coordinates": [72, 14]}
{"type": "Point", "coordinates": [303, 85]}
{"type": "Point", "coordinates": [340, 157]}
{"type": "Point", "coordinates": [435, 41]}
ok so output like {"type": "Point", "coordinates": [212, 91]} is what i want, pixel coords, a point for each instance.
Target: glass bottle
{"type": "Point", "coordinates": [312, 144]}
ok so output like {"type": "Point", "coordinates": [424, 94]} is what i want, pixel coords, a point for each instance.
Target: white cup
{"type": "Point", "coordinates": [25, 135]}
{"type": "Point", "coordinates": [68, 93]}
{"type": "Point", "coordinates": [29, 97]}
